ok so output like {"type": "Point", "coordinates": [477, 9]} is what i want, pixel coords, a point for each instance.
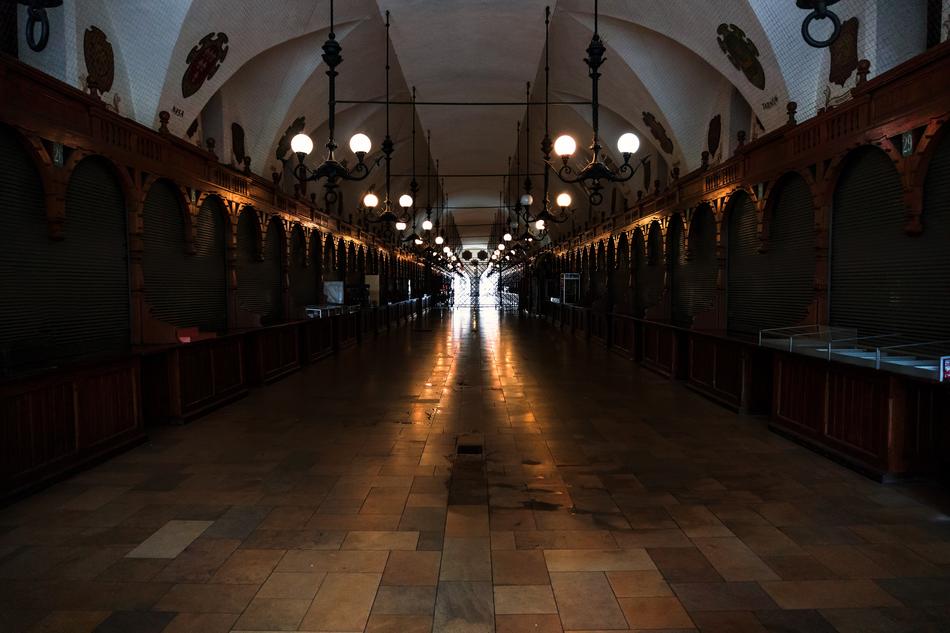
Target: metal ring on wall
{"type": "Point", "coordinates": [37, 15]}
{"type": "Point", "coordinates": [836, 23]}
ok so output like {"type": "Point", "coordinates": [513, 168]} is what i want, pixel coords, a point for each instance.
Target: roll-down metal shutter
{"type": "Point", "coordinates": [654, 272]}
{"type": "Point", "coordinates": [871, 256]}
{"type": "Point", "coordinates": [745, 275]}
{"type": "Point", "coordinates": [209, 271]}
{"type": "Point", "coordinates": [28, 274]}
{"type": "Point", "coordinates": [303, 278]}
{"type": "Point", "coordinates": [790, 258]}
{"type": "Point", "coordinates": [258, 281]}
{"type": "Point", "coordinates": [884, 281]}
{"type": "Point", "coordinates": [92, 265]}
{"type": "Point", "coordinates": [181, 289]}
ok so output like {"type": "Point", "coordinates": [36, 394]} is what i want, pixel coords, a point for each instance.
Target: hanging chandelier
{"type": "Point", "coordinates": [332, 170]}
{"type": "Point", "coordinates": [592, 175]}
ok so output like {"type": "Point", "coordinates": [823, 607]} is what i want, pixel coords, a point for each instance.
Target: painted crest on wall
{"type": "Point", "coordinates": [844, 53]}
{"type": "Point", "coordinates": [295, 128]}
{"type": "Point", "coordinates": [714, 134]}
{"type": "Point", "coordinates": [658, 131]}
{"type": "Point", "coordinates": [237, 142]}
{"type": "Point", "coordinates": [203, 62]}
{"type": "Point", "coordinates": [100, 61]}
{"type": "Point", "coordinates": [742, 53]}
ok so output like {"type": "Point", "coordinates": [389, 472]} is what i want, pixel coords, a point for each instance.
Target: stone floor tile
{"type": "Point", "coordinates": [199, 562]}
{"type": "Point", "coordinates": [291, 585]}
{"type": "Point", "coordinates": [170, 540]}
{"type": "Point", "coordinates": [238, 522]}
{"type": "Point", "coordinates": [380, 623]}
{"type": "Point", "coordinates": [681, 564]}
{"type": "Point", "coordinates": [135, 622]}
{"type": "Point", "coordinates": [381, 540]}
{"type": "Point", "coordinates": [197, 598]}
{"type": "Point", "coordinates": [829, 594]}
{"type": "Point", "coordinates": [342, 603]}
{"type": "Point", "coordinates": [368, 561]}
{"type": "Point", "coordinates": [466, 559]}
{"type": "Point", "coordinates": [797, 621]}
{"type": "Point", "coordinates": [466, 521]}
{"type": "Point", "coordinates": [272, 614]}
{"type": "Point", "coordinates": [918, 592]}
{"type": "Point", "coordinates": [528, 624]}
{"type": "Point", "coordinates": [510, 599]}
{"type": "Point", "coordinates": [564, 539]}
{"type": "Point", "coordinates": [664, 612]}
{"type": "Point", "coordinates": [69, 622]}
{"type": "Point", "coordinates": [722, 596]}
{"type": "Point", "coordinates": [412, 568]}
{"type": "Point", "coordinates": [802, 567]}
{"type": "Point", "coordinates": [404, 600]}
{"type": "Point", "coordinates": [586, 602]}
{"type": "Point", "coordinates": [733, 560]}
{"type": "Point", "coordinates": [728, 622]}
{"type": "Point", "coordinates": [630, 539]}
{"type": "Point", "coordinates": [598, 560]}
{"type": "Point", "coordinates": [464, 607]}
{"type": "Point", "coordinates": [503, 540]}
{"type": "Point", "coordinates": [248, 566]}
{"type": "Point", "coordinates": [638, 584]}
{"type": "Point", "coordinates": [519, 567]}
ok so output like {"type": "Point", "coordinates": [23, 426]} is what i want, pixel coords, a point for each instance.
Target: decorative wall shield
{"type": "Point", "coordinates": [203, 62]}
{"type": "Point", "coordinates": [100, 61]}
{"type": "Point", "coordinates": [742, 53]}
{"type": "Point", "coordinates": [659, 132]}
{"type": "Point", "coordinates": [844, 53]}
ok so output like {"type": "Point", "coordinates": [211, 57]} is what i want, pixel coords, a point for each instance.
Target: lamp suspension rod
{"type": "Point", "coordinates": [527, 138]}
{"type": "Point", "coordinates": [467, 175]}
{"type": "Point", "coordinates": [388, 138]}
{"type": "Point", "coordinates": [546, 142]}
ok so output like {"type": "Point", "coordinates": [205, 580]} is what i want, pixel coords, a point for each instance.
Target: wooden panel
{"type": "Point", "coordinates": [858, 412]}
{"type": "Point", "coordinates": [52, 425]}
{"type": "Point", "coordinates": [799, 394]}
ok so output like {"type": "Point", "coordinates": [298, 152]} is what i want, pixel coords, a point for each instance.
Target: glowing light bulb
{"type": "Point", "coordinates": [565, 146]}
{"type": "Point", "coordinates": [427, 225]}
{"type": "Point", "coordinates": [360, 144]}
{"type": "Point", "coordinates": [506, 237]}
{"type": "Point", "coordinates": [446, 250]}
{"type": "Point", "coordinates": [418, 241]}
{"type": "Point", "coordinates": [405, 201]}
{"type": "Point", "coordinates": [370, 200]}
{"type": "Point", "coordinates": [301, 144]}
{"type": "Point", "coordinates": [628, 143]}
{"type": "Point", "coordinates": [400, 225]}
{"type": "Point", "coordinates": [501, 246]}
{"type": "Point", "coordinates": [539, 225]}
{"type": "Point", "coordinates": [527, 199]}
{"type": "Point", "coordinates": [564, 200]}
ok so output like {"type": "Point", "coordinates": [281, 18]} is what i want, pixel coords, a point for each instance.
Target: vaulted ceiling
{"type": "Point", "coordinates": [672, 68]}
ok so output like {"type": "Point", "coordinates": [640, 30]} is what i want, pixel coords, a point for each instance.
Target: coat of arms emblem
{"type": "Point", "coordinates": [659, 132]}
{"type": "Point", "coordinates": [203, 62]}
{"type": "Point", "coordinates": [100, 61]}
{"type": "Point", "coordinates": [742, 53]}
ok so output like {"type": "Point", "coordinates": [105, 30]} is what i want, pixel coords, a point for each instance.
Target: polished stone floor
{"type": "Point", "coordinates": [474, 474]}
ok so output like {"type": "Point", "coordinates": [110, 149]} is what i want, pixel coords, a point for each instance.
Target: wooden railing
{"type": "Point", "coordinates": [879, 423]}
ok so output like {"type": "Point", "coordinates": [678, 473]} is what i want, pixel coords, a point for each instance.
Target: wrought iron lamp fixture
{"type": "Point", "coordinates": [596, 171]}
{"type": "Point", "coordinates": [332, 171]}
{"type": "Point", "coordinates": [36, 16]}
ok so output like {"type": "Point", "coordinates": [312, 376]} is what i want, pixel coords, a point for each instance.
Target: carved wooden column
{"type": "Point", "coordinates": [230, 261]}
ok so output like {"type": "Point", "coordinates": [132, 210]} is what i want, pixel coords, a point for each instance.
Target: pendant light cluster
{"type": "Point", "coordinates": [332, 171]}
{"type": "Point", "coordinates": [592, 175]}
